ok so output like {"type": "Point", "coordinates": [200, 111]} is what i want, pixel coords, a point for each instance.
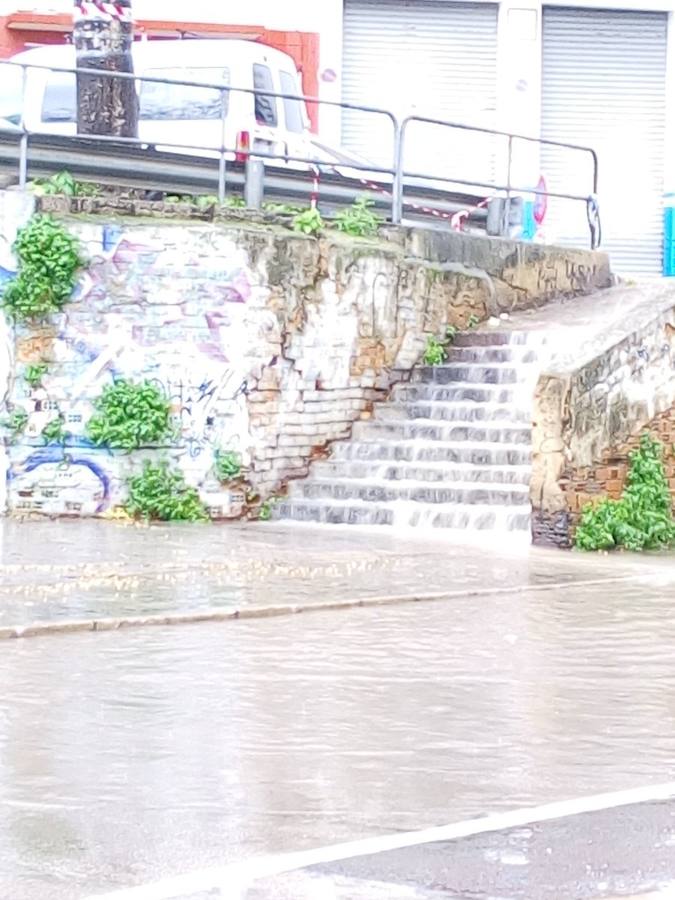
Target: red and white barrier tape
{"type": "Point", "coordinates": [102, 10]}
{"type": "Point", "coordinates": [457, 219]}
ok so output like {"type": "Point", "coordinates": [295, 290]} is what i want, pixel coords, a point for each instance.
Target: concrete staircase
{"type": "Point", "coordinates": [450, 449]}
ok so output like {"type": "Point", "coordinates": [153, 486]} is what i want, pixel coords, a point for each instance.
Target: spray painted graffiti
{"type": "Point", "coordinates": [175, 315]}
{"type": "Point", "coordinates": [53, 481]}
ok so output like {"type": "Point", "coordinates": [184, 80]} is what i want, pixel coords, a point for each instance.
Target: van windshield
{"type": "Point", "coordinates": [60, 99]}
{"type": "Point", "coordinates": [11, 91]}
{"type": "Point", "coordinates": [295, 120]}
{"type": "Point", "coordinates": [173, 102]}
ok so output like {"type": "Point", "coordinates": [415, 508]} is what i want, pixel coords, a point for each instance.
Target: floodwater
{"type": "Point", "coordinates": [130, 756]}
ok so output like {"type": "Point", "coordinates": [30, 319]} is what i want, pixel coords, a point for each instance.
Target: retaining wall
{"type": "Point", "coordinates": [268, 343]}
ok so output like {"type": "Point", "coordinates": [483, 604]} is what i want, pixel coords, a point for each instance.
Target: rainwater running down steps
{"type": "Point", "coordinates": [450, 449]}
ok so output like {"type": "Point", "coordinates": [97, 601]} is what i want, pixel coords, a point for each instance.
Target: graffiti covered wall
{"type": "Point", "coordinates": [267, 343]}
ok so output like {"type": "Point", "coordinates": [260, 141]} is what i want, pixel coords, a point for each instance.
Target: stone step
{"type": "Point", "coordinates": [371, 491]}
{"type": "Point", "coordinates": [518, 354]}
{"type": "Point", "coordinates": [505, 519]}
{"type": "Point", "coordinates": [460, 391]}
{"type": "Point", "coordinates": [430, 430]}
{"type": "Point", "coordinates": [479, 454]}
{"type": "Point", "coordinates": [455, 411]}
{"type": "Point", "coordinates": [491, 338]}
{"type": "Point", "coordinates": [444, 474]}
{"type": "Point", "coordinates": [497, 373]}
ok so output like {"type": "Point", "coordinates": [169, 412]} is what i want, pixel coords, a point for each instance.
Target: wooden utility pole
{"type": "Point", "coordinates": [103, 33]}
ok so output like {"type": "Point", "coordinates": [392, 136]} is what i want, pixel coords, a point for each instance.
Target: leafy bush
{"type": "Point", "coordinates": [34, 374]}
{"type": "Point", "coordinates": [358, 220]}
{"type": "Point", "coordinates": [308, 221]}
{"type": "Point", "coordinates": [282, 209]}
{"type": "Point", "coordinates": [54, 431]}
{"type": "Point", "coordinates": [162, 494]}
{"type": "Point", "coordinates": [436, 352]}
{"type": "Point", "coordinates": [266, 510]}
{"type": "Point", "coordinates": [130, 415]}
{"type": "Point", "coordinates": [643, 518]}
{"type": "Point", "coordinates": [49, 260]}
{"type": "Point", "coordinates": [227, 466]}
{"type": "Point", "coordinates": [64, 183]}
{"type": "Point", "coordinates": [16, 423]}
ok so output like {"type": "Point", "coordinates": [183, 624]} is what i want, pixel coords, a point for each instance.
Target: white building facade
{"type": "Point", "coordinates": [588, 73]}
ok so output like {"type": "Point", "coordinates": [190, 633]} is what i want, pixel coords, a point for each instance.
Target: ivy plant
{"type": "Point", "coordinates": [436, 352]}
{"type": "Point", "coordinates": [267, 510]}
{"type": "Point", "coordinates": [308, 221]}
{"type": "Point", "coordinates": [54, 431]}
{"type": "Point", "coordinates": [282, 209]}
{"type": "Point", "coordinates": [49, 260]}
{"type": "Point", "coordinates": [129, 415]}
{"type": "Point", "coordinates": [33, 374]}
{"type": "Point", "coordinates": [227, 465]}
{"type": "Point", "coordinates": [233, 201]}
{"type": "Point", "coordinates": [16, 423]}
{"type": "Point", "coordinates": [161, 493]}
{"type": "Point", "coordinates": [642, 519]}
{"type": "Point", "coordinates": [359, 220]}
{"type": "Point", "coordinates": [64, 183]}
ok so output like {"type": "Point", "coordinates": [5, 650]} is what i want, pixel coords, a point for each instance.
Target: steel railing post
{"type": "Point", "coordinates": [23, 147]}
{"type": "Point", "coordinates": [222, 162]}
{"type": "Point", "coordinates": [507, 200]}
{"type": "Point", "coordinates": [397, 192]}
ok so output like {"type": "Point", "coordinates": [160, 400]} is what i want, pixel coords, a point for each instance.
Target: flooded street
{"type": "Point", "coordinates": [129, 756]}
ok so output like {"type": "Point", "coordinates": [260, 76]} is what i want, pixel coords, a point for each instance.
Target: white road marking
{"type": "Point", "coordinates": [234, 879]}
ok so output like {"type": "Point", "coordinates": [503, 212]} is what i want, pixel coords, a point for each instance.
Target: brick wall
{"type": "Point", "coordinates": [607, 479]}
{"type": "Point", "coordinates": [266, 342]}
{"type": "Point", "coordinates": [590, 409]}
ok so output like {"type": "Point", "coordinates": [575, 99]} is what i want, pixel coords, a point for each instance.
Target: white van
{"type": "Point", "coordinates": [173, 113]}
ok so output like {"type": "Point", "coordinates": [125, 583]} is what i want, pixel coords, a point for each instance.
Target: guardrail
{"type": "Point", "coordinates": [401, 187]}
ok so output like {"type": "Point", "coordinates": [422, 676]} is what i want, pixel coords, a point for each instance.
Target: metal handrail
{"type": "Point", "coordinates": [222, 150]}
{"type": "Point", "coordinates": [397, 171]}
{"type": "Point", "coordinates": [508, 188]}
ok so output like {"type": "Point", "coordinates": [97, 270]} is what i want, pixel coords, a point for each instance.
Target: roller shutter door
{"type": "Point", "coordinates": [603, 85]}
{"type": "Point", "coordinates": [426, 57]}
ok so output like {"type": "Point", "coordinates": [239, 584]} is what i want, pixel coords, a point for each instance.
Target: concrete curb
{"type": "Point", "coordinates": [72, 626]}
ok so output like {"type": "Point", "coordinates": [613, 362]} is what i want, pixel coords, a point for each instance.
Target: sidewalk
{"type": "Point", "coordinates": [98, 575]}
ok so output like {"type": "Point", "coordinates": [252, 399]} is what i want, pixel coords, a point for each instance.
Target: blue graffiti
{"type": "Point", "coordinates": [6, 275]}
{"type": "Point", "coordinates": [55, 455]}
{"type": "Point", "coordinates": [111, 237]}
{"type": "Point", "coordinates": [206, 390]}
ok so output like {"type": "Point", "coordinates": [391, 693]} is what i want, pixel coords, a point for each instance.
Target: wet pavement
{"type": "Point", "coordinates": [607, 854]}
{"type": "Point", "coordinates": [133, 755]}
{"type": "Point", "coordinates": [85, 571]}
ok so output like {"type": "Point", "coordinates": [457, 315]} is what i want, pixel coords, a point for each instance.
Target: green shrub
{"type": "Point", "coordinates": [308, 221]}
{"type": "Point", "coordinates": [34, 374]}
{"type": "Point", "coordinates": [436, 352]}
{"type": "Point", "coordinates": [161, 494]}
{"type": "Point", "coordinates": [49, 260]}
{"type": "Point", "coordinates": [227, 465]}
{"type": "Point", "coordinates": [130, 415]}
{"type": "Point", "coordinates": [266, 510]}
{"type": "Point", "coordinates": [643, 518]}
{"type": "Point", "coordinates": [234, 202]}
{"type": "Point", "coordinates": [64, 183]}
{"type": "Point", "coordinates": [282, 209]}
{"type": "Point", "coordinates": [54, 431]}
{"type": "Point", "coordinates": [16, 423]}
{"type": "Point", "coordinates": [358, 220]}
